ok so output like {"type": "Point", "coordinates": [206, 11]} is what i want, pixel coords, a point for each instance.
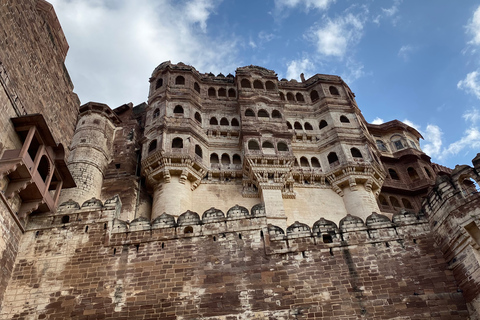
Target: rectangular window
{"type": "Point", "coordinates": [399, 145]}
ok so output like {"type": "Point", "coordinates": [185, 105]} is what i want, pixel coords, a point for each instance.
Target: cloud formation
{"type": "Point", "coordinates": [405, 51]}
{"type": "Point", "coordinates": [128, 39]}
{"type": "Point", "coordinates": [473, 27]}
{"type": "Point", "coordinates": [296, 67]}
{"type": "Point", "coordinates": [307, 4]}
{"type": "Point", "coordinates": [337, 35]}
{"type": "Point", "coordinates": [471, 83]}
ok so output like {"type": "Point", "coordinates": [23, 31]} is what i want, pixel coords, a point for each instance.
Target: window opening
{"type": "Point", "coordinates": [225, 159]}
{"type": "Point", "coordinates": [224, 122]}
{"type": "Point", "coordinates": [314, 95]}
{"type": "Point", "coordinates": [332, 157]}
{"type": "Point", "coordinates": [394, 202]}
{"type": "Point", "coordinates": [180, 80]}
{"type": "Point", "coordinates": [393, 174]}
{"type": "Point", "coordinates": [245, 83]}
{"type": "Point", "coordinates": [297, 125]}
{"type": "Point", "coordinates": [222, 92]}
{"type": "Point", "coordinates": [152, 146]}
{"type": "Point", "coordinates": [214, 158]}
{"type": "Point", "coordinates": [198, 117]}
{"type": "Point", "coordinates": [237, 159]}
{"type": "Point", "coordinates": [178, 109]}
{"type": "Point", "coordinates": [159, 83]}
{"type": "Point", "coordinates": [308, 126]}
{"type": "Point", "coordinates": [213, 121]}
{"type": "Point", "coordinates": [257, 84]}
{"type": "Point", "coordinates": [177, 143]}
{"type": "Point", "coordinates": [333, 91]}
{"type": "Point", "coordinates": [249, 113]}
{"type": "Point", "coordinates": [299, 97]}
{"type": "Point", "coordinates": [276, 114]}
{"type": "Point", "coordinates": [198, 151]}
{"type": "Point", "coordinates": [290, 96]}
{"type": "Point", "coordinates": [267, 144]}
{"type": "Point", "coordinates": [269, 85]}
{"type": "Point", "coordinates": [196, 87]}
{"type": "Point", "coordinates": [235, 122]}
{"type": "Point", "coordinates": [356, 153]}
{"type": "Point", "coordinates": [315, 163]}
{"type": "Point", "coordinates": [232, 93]}
{"type": "Point", "coordinates": [212, 92]}
{"type": "Point", "coordinates": [304, 162]}
{"type": "Point", "coordinates": [344, 119]}
{"type": "Point", "coordinates": [262, 113]}
{"type": "Point", "coordinates": [282, 146]}
{"type": "Point", "coordinates": [253, 145]}
{"type": "Point", "coordinates": [412, 173]}
{"type": "Point", "coordinates": [323, 124]}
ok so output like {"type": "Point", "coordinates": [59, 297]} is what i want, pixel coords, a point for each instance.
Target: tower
{"type": "Point", "coordinates": [90, 151]}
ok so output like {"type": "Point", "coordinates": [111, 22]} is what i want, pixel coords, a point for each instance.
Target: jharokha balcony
{"type": "Point", "coordinates": [33, 176]}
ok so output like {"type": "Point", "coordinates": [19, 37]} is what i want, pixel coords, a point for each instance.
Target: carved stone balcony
{"type": "Point", "coordinates": [35, 174]}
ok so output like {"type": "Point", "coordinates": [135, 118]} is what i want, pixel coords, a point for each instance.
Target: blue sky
{"type": "Point", "coordinates": [415, 61]}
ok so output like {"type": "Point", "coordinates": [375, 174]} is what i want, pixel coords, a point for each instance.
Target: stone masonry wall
{"type": "Point", "coordinates": [32, 58]}
{"type": "Point", "coordinates": [228, 268]}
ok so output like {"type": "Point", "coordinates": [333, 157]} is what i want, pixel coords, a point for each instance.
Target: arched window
{"type": "Point", "coordinates": [214, 158]}
{"type": "Point", "coordinates": [178, 109]}
{"type": "Point", "coordinates": [156, 113]}
{"type": "Point", "coordinates": [225, 159]}
{"type": "Point", "coordinates": [289, 125]}
{"type": "Point", "coordinates": [381, 145]}
{"type": "Point", "coordinates": [428, 172]}
{"type": "Point", "coordinates": [196, 87]}
{"type": "Point", "coordinates": [296, 163]}
{"type": "Point", "coordinates": [253, 145]}
{"type": "Point", "coordinates": [332, 157]}
{"type": "Point", "coordinates": [412, 173]}
{"type": "Point", "coordinates": [237, 159]}
{"type": "Point", "coordinates": [314, 95]}
{"type": "Point", "coordinates": [297, 125]}
{"type": "Point", "coordinates": [382, 200]}
{"type": "Point", "coordinates": [257, 84]}
{"type": "Point", "coordinates": [290, 96]}
{"type": "Point", "coordinates": [213, 121]}
{"type": "Point", "coordinates": [269, 85]}
{"type": "Point", "coordinates": [315, 162]}
{"type": "Point", "coordinates": [177, 143]}
{"type": "Point", "coordinates": [344, 119]}
{"type": "Point", "coordinates": [308, 126]}
{"type": "Point", "coordinates": [249, 113]}
{"type": "Point", "coordinates": [394, 202]}
{"type": "Point", "coordinates": [276, 114]}
{"type": "Point", "coordinates": [224, 122]}
{"type": "Point", "coordinates": [398, 142]}
{"type": "Point", "coordinates": [323, 124]}
{"type": "Point", "coordinates": [333, 91]}
{"type": "Point", "coordinates": [393, 174]}
{"type": "Point", "coordinates": [180, 80]}
{"type": "Point", "coordinates": [468, 185]}
{"type": "Point", "coordinates": [43, 167]}
{"type": "Point", "coordinates": [198, 151]}
{"type": "Point", "coordinates": [198, 117]}
{"type": "Point", "coordinates": [152, 146]}
{"type": "Point", "coordinates": [212, 92]}
{"type": "Point", "coordinates": [232, 93]}
{"type": "Point", "coordinates": [304, 162]}
{"type": "Point", "coordinates": [282, 96]}
{"type": "Point", "coordinates": [268, 145]}
{"type": "Point", "coordinates": [299, 97]}
{"type": "Point", "coordinates": [245, 83]}
{"type": "Point", "coordinates": [222, 92]}
{"type": "Point", "coordinates": [356, 153]}
{"type": "Point", "coordinates": [159, 83]}
{"type": "Point", "coordinates": [262, 113]}
{"type": "Point", "coordinates": [407, 204]}
{"type": "Point", "coordinates": [282, 146]}
{"type": "Point", "coordinates": [235, 122]}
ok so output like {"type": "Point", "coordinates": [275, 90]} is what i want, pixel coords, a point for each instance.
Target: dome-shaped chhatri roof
{"type": "Point", "coordinates": [324, 226]}
{"type": "Point", "coordinates": [68, 205]}
{"type": "Point", "coordinates": [188, 218]}
{"type": "Point", "coordinates": [274, 230]}
{"type": "Point", "coordinates": [237, 212]}
{"type": "Point", "coordinates": [92, 203]}
{"type": "Point", "coordinates": [212, 214]}
{"type": "Point", "coordinates": [164, 220]}
{"type": "Point", "coordinates": [351, 222]}
{"type": "Point", "coordinates": [298, 227]}
{"type": "Point", "coordinates": [258, 210]}
{"type": "Point", "coordinates": [376, 218]}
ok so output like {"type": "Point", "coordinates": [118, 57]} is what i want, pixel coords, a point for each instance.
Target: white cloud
{"type": "Point", "coordinates": [378, 120]}
{"type": "Point", "coordinates": [433, 140]}
{"type": "Point", "coordinates": [353, 71]}
{"type": "Point", "coordinates": [473, 27]}
{"type": "Point", "coordinates": [471, 83]}
{"type": "Point", "coordinates": [469, 141]}
{"type": "Point", "coordinates": [114, 49]}
{"type": "Point", "coordinates": [307, 4]}
{"type": "Point", "coordinates": [405, 51]}
{"type": "Point", "coordinates": [296, 67]}
{"type": "Point", "coordinates": [338, 35]}
{"type": "Point", "coordinates": [411, 124]}
{"type": "Point", "coordinates": [389, 13]}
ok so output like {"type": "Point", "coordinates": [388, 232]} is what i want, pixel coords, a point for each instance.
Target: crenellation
{"type": "Point", "coordinates": [241, 196]}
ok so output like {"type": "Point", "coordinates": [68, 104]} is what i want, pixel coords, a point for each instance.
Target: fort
{"type": "Point", "coordinates": [222, 197]}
